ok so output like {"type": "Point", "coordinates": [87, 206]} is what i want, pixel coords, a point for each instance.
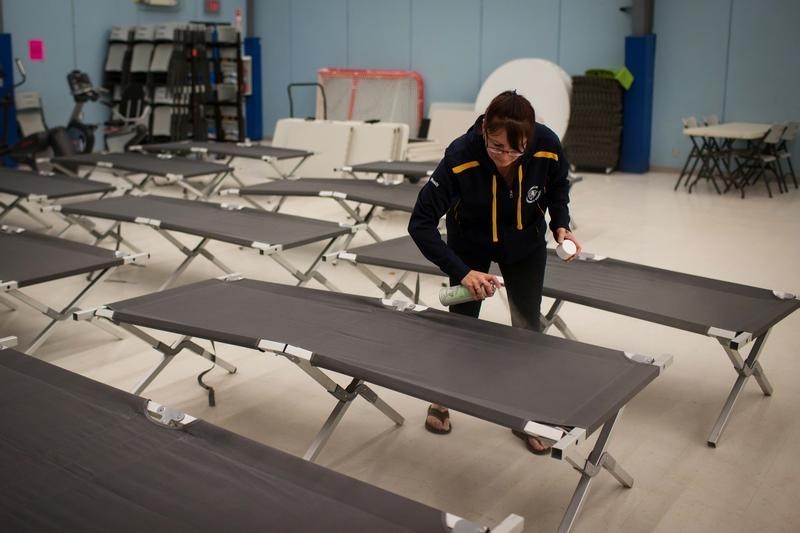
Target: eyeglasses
{"type": "Point", "coordinates": [500, 151]}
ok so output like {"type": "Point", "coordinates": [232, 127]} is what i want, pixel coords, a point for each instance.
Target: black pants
{"type": "Point", "coordinates": [524, 281]}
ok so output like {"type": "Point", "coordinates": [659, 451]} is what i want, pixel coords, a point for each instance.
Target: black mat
{"type": "Point", "coordinates": [145, 164]}
{"type": "Point", "coordinates": [30, 258]}
{"type": "Point", "coordinates": [501, 374]}
{"type": "Point", "coordinates": [400, 196]}
{"type": "Point", "coordinates": [24, 183]}
{"type": "Point", "coordinates": [78, 455]}
{"type": "Point", "coordinates": [207, 219]}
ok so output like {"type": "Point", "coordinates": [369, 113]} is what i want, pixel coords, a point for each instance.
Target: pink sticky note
{"type": "Point", "coordinates": [36, 50]}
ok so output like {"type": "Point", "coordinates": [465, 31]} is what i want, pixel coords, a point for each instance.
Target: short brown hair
{"type": "Point", "coordinates": [514, 113]}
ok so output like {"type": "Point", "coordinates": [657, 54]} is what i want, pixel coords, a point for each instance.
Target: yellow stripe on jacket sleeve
{"type": "Point", "coordinates": [464, 166]}
{"type": "Point", "coordinates": [494, 208]}
{"type": "Point", "coordinates": [519, 197]}
{"type": "Point", "coordinates": [547, 155]}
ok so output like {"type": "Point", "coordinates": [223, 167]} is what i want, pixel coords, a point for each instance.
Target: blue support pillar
{"type": "Point", "coordinates": [637, 120]}
{"type": "Point", "coordinates": [8, 114]}
{"type": "Point", "coordinates": [254, 105]}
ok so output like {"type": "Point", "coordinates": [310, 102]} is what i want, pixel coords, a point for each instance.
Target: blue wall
{"type": "Point", "coordinates": [75, 33]}
{"type": "Point", "coordinates": [735, 58]}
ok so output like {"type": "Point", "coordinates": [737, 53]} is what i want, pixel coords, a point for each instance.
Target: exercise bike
{"type": "Point", "coordinates": [27, 148]}
{"type": "Point", "coordinates": [81, 134]}
{"type": "Point", "coordinates": [129, 119]}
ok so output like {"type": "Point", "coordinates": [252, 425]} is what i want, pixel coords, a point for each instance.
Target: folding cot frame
{"type": "Point", "coordinates": [397, 196]}
{"type": "Point", "coordinates": [271, 155]}
{"type": "Point", "coordinates": [104, 262]}
{"type": "Point", "coordinates": [78, 214]}
{"type": "Point", "coordinates": [410, 169]}
{"type": "Point", "coordinates": [732, 341]}
{"type": "Point", "coordinates": [174, 170]}
{"type": "Point", "coordinates": [42, 188]}
{"type": "Point", "coordinates": [245, 470]}
{"type": "Point", "coordinates": [414, 170]}
{"type": "Point", "coordinates": [564, 439]}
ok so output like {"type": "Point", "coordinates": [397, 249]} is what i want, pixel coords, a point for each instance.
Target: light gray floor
{"type": "Point", "coordinates": [750, 482]}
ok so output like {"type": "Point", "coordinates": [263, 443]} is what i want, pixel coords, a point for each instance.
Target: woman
{"type": "Point", "coordinates": [495, 184]}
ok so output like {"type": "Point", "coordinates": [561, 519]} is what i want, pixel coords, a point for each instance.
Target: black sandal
{"type": "Point", "coordinates": [524, 436]}
{"type": "Point", "coordinates": [441, 416]}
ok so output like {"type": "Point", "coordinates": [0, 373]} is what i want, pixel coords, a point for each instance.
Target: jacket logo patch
{"type": "Point", "coordinates": [533, 194]}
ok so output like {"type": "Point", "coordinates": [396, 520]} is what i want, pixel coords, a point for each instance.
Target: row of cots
{"type": "Point", "coordinates": [564, 394]}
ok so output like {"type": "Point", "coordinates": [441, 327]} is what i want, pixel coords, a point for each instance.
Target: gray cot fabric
{"type": "Point", "coordinates": [399, 196]}
{"type": "Point", "coordinates": [24, 183]}
{"type": "Point", "coordinates": [400, 253]}
{"type": "Point", "coordinates": [251, 151]}
{"type": "Point", "coordinates": [501, 374]}
{"type": "Point", "coordinates": [78, 455]}
{"type": "Point", "coordinates": [145, 164]}
{"type": "Point", "coordinates": [675, 299]}
{"type": "Point", "coordinates": [683, 301]}
{"type": "Point", "coordinates": [411, 169]}
{"type": "Point", "coordinates": [207, 219]}
{"type": "Point", "coordinates": [29, 258]}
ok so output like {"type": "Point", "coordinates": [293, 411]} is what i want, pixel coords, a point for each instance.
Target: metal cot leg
{"type": "Point", "coordinates": [745, 369]}
{"type": "Point", "coordinates": [598, 459]}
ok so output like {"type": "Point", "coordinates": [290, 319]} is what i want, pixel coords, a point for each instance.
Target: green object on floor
{"type": "Point", "coordinates": [622, 75]}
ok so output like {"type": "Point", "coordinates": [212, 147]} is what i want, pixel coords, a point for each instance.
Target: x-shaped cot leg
{"type": "Point", "coordinates": [366, 219]}
{"type": "Point", "coordinates": [345, 396]}
{"type": "Point", "coordinates": [169, 352]}
{"type": "Point", "coordinates": [90, 227]}
{"type": "Point", "coordinates": [598, 460]}
{"type": "Point", "coordinates": [745, 368]}
{"type": "Point", "coordinates": [59, 316]}
{"type": "Point", "coordinates": [553, 319]}
{"type": "Point", "coordinates": [271, 161]}
{"type": "Point", "coordinates": [17, 203]}
{"type": "Point", "coordinates": [191, 254]}
{"type": "Point", "coordinates": [310, 273]}
{"type": "Point", "coordinates": [8, 303]}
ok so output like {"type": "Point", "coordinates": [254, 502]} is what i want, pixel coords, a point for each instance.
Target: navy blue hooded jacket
{"type": "Point", "coordinates": [486, 219]}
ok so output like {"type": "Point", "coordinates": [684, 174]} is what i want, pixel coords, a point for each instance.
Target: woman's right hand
{"type": "Point", "coordinates": [480, 284]}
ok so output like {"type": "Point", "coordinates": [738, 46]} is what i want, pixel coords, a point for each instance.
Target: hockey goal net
{"type": "Point", "coordinates": [370, 94]}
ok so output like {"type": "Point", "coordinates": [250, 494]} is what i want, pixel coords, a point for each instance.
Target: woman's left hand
{"type": "Point", "coordinates": [562, 234]}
